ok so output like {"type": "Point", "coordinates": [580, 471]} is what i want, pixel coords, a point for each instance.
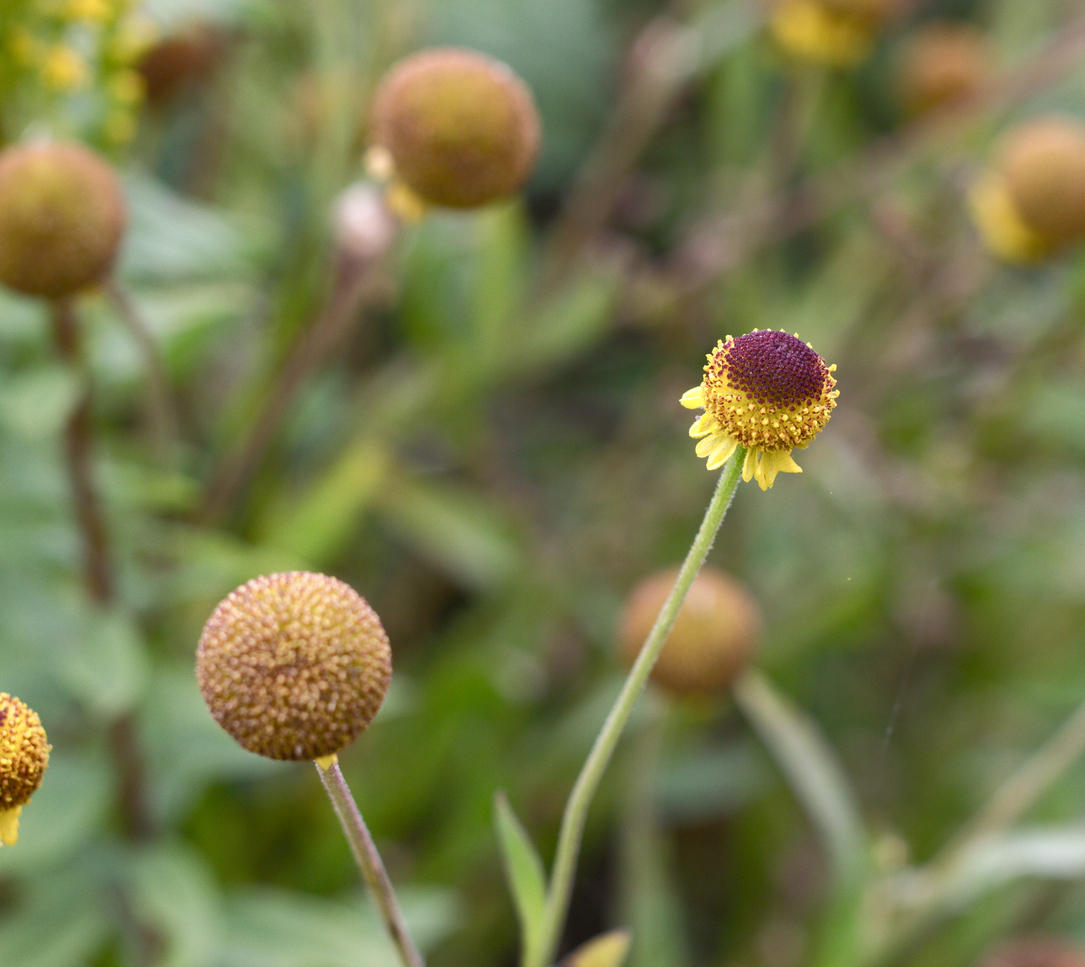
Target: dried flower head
{"type": "Point", "coordinates": [1037, 952]}
{"type": "Point", "coordinates": [837, 33]}
{"type": "Point", "coordinates": [294, 666]}
{"type": "Point", "coordinates": [943, 64]}
{"type": "Point", "coordinates": [1031, 203]}
{"type": "Point", "coordinates": [713, 638]}
{"type": "Point", "coordinates": [461, 128]}
{"type": "Point", "coordinates": [24, 754]}
{"type": "Point", "coordinates": [768, 392]}
{"type": "Point", "coordinates": [61, 219]}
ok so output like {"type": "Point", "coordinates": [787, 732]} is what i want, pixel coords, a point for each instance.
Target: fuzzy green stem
{"type": "Point", "coordinates": [369, 862]}
{"type": "Point", "coordinates": [576, 809]}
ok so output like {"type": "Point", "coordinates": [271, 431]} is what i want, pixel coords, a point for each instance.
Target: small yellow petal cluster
{"type": "Point", "coordinates": [1031, 203]}
{"type": "Point", "coordinates": [24, 754]}
{"type": "Point", "coordinates": [836, 33]}
{"type": "Point", "coordinates": [713, 639]}
{"type": "Point", "coordinates": [460, 129]}
{"type": "Point", "coordinates": [61, 61]}
{"type": "Point", "coordinates": [767, 392]}
{"type": "Point", "coordinates": [294, 666]}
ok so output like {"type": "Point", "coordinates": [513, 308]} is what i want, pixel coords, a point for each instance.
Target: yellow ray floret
{"type": "Point", "coordinates": [767, 392]}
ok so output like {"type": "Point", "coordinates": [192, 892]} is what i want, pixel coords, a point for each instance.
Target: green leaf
{"type": "Point", "coordinates": [107, 668]}
{"type": "Point", "coordinates": [456, 529]}
{"type": "Point", "coordinates": [811, 769]}
{"type": "Point", "coordinates": [606, 950]}
{"type": "Point", "coordinates": [524, 870]}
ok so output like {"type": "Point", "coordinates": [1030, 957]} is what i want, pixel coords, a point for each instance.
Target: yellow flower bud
{"type": "Point", "coordinates": [24, 755]}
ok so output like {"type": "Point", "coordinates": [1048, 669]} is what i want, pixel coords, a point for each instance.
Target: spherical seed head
{"type": "Point", "coordinates": [713, 638]}
{"type": "Point", "coordinates": [61, 218]}
{"type": "Point", "coordinates": [462, 128]}
{"type": "Point", "coordinates": [294, 666]}
{"type": "Point", "coordinates": [24, 752]}
{"type": "Point", "coordinates": [768, 390]}
{"type": "Point", "coordinates": [943, 64]}
{"type": "Point", "coordinates": [1043, 164]}
{"type": "Point", "coordinates": [1039, 952]}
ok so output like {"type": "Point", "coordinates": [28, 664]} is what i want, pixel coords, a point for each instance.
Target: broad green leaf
{"type": "Point", "coordinates": [455, 528]}
{"type": "Point", "coordinates": [524, 870]}
{"type": "Point", "coordinates": [106, 669]}
{"type": "Point", "coordinates": [173, 892]}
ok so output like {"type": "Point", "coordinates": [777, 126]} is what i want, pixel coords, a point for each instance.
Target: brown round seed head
{"type": "Point", "coordinates": [943, 64]}
{"type": "Point", "coordinates": [61, 219]}
{"type": "Point", "coordinates": [713, 638]}
{"type": "Point", "coordinates": [1043, 162]}
{"type": "Point", "coordinates": [462, 128]}
{"type": "Point", "coordinates": [294, 666]}
{"type": "Point", "coordinates": [24, 752]}
{"type": "Point", "coordinates": [1037, 952]}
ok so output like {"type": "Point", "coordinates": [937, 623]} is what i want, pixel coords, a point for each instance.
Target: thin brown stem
{"type": "Point", "coordinates": [369, 861]}
{"type": "Point", "coordinates": [312, 348]}
{"type": "Point", "coordinates": [98, 575]}
{"type": "Point", "coordinates": [97, 571]}
{"type": "Point", "coordinates": [161, 405]}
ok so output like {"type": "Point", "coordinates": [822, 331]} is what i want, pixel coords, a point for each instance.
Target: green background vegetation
{"type": "Point", "coordinates": [496, 455]}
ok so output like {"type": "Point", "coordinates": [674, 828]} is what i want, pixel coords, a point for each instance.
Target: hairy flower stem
{"type": "Point", "coordinates": [576, 809]}
{"type": "Point", "coordinates": [369, 861]}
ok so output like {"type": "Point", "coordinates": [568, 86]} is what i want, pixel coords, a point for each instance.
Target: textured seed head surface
{"type": "Point", "coordinates": [462, 128]}
{"type": "Point", "coordinates": [713, 638]}
{"type": "Point", "coordinates": [769, 389]}
{"type": "Point", "coordinates": [1043, 162]}
{"type": "Point", "coordinates": [61, 218]}
{"type": "Point", "coordinates": [1038, 952]}
{"type": "Point", "coordinates": [294, 666]}
{"type": "Point", "coordinates": [943, 64]}
{"type": "Point", "coordinates": [24, 752]}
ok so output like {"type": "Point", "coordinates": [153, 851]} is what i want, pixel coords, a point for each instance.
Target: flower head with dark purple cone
{"type": "Point", "coordinates": [767, 392]}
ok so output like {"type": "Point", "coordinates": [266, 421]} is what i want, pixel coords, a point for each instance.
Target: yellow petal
{"type": "Point", "coordinates": [749, 465]}
{"type": "Point", "coordinates": [9, 825]}
{"type": "Point", "coordinates": [693, 399]}
{"type": "Point", "coordinates": [1000, 225]}
{"type": "Point", "coordinates": [778, 461]}
{"type": "Point", "coordinates": [706, 446]}
{"type": "Point", "coordinates": [722, 453]}
{"type": "Point", "coordinates": [702, 426]}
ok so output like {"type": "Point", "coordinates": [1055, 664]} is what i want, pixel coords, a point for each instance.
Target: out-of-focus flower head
{"type": "Point", "coordinates": [834, 33]}
{"type": "Point", "coordinates": [1030, 203]}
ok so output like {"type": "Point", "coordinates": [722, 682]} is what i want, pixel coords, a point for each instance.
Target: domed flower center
{"type": "Point", "coordinates": [768, 389]}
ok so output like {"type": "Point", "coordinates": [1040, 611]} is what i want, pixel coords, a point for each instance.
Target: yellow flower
{"type": "Point", "coordinates": [768, 392]}
{"type": "Point", "coordinates": [839, 33]}
{"type": "Point", "coordinates": [90, 11]}
{"type": "Point", "coordinates": [24, 754]}
{"type": "Point", "coordinates": [1031, 202]}
{"type": "Point", "coordinates": [63, 69]}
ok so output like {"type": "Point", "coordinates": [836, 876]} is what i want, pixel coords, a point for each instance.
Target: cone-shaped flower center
{"type": "Point", "coordinates": [768, 389]}
{"type": "Point", "coordinates": [767, 392]}
{"type": "Point", "coordinates": [24, 754]}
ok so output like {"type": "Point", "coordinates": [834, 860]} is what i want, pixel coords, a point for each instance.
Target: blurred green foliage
{"type": "Point", "coordinates": [494, 457]}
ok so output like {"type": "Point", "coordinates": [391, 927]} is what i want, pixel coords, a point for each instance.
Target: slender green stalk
{"type": "Point", "coordinates": [576, 809]}
{"type": "Point", "coordinates": [369, 862]}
